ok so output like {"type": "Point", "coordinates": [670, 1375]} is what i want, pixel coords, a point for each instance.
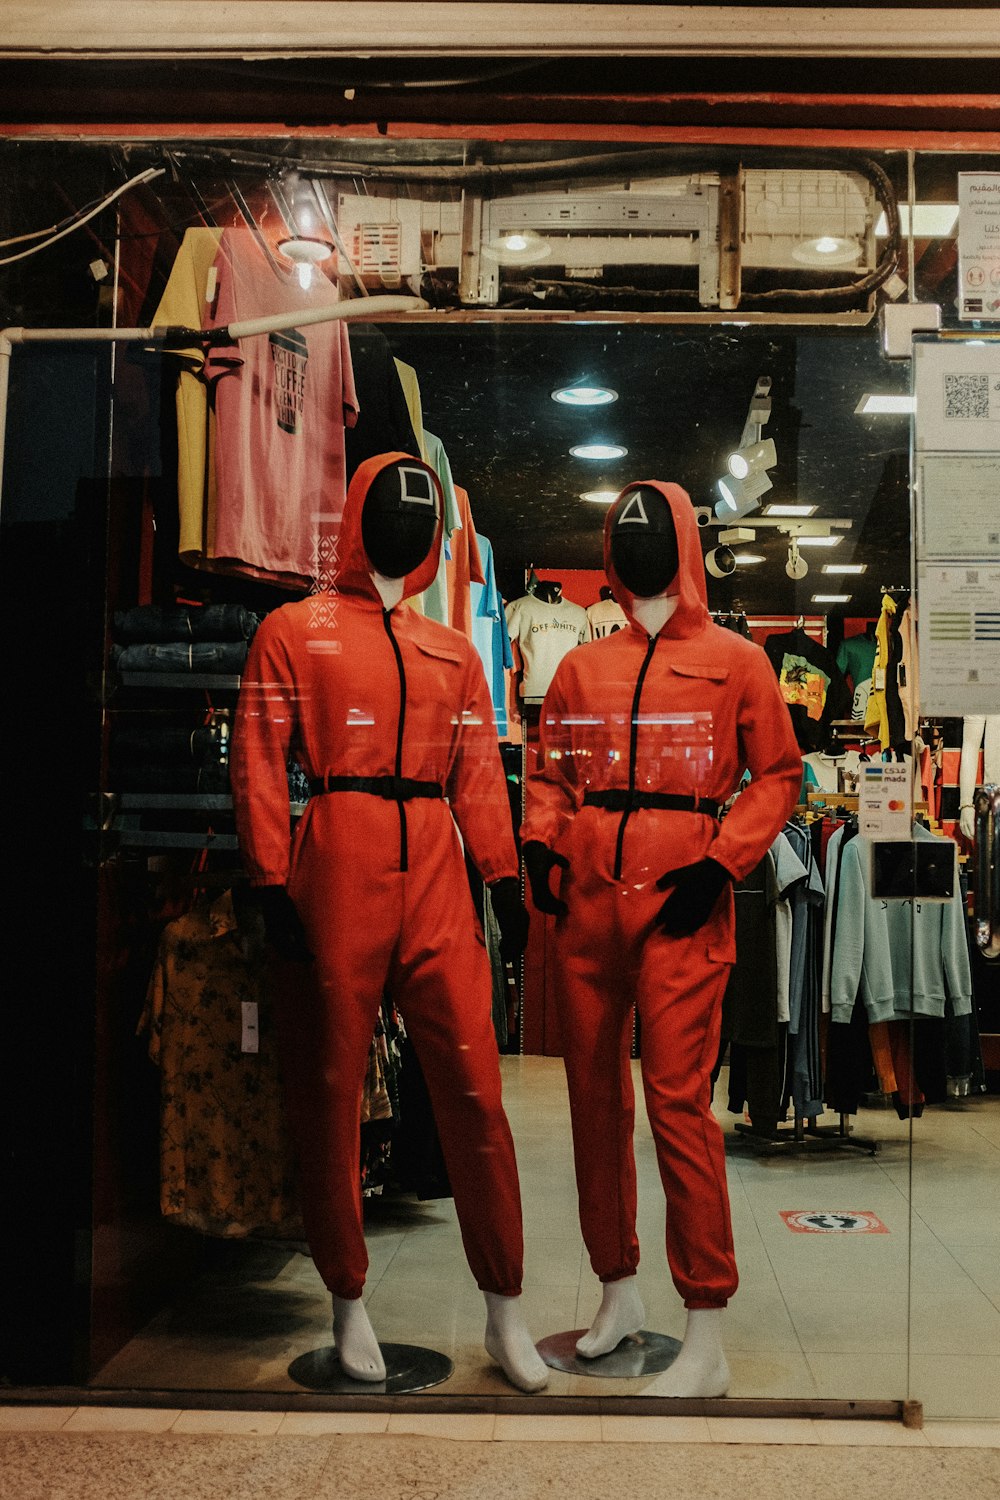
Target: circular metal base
{"type": "Point", "coordinates": [641, 1353]}
{"type": "Point", "coordinates": [408, 1367]}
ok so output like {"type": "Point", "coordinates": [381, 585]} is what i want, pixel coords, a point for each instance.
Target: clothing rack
{"type": "Point", "coordinates": [806, 1137]}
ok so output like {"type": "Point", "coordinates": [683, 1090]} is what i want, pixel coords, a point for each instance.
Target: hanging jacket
{"type": "Point", "coordinates": [901, 962]}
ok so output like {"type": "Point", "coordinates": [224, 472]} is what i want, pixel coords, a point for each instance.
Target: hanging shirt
{"type": "Point", "coordinates": [811, 683]}
{"type": "Point", "coordinates": [856, 657]}
{"type": "Point", "coordinates": [789, 872]}
{"type": "Point", "coordinates": [877, 943]}
{"type": "Point", "coordinates": [184, 304]}
{"type": "Point", "coordinates": [830, 770]}
{"type": "Point", "coordinates": [281, 401]}
{"type": "Point", "coordinates": [543, 633]}
{"type": "Point", "coordinates": [604, 618]}
{"type": "Point", "coordinates": [434, 599]}
{"type": "Point", "coordinates": [225, 1166]}
{"type": "Point", "coordinates": [411, 393]}
{"type": "Point", "coordinates": [876, 712]}
{"type": "Point", "coordinates": [489, 634]}
{"type": "Point", "coordinates": [383, 423]}
{"type": "Point", "coordinates": [464, 567]}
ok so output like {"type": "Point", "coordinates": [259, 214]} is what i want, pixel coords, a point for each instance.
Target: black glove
{"type": "Point", "coordinates": [539, 862]}
{"type": "Point", "coordinates": [512, 917]}
{"type": "Point", "coordinates": [694, 890]}
{"type": "Point", "coordinates": [283, 924]}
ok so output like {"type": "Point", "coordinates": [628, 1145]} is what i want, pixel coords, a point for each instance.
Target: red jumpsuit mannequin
{"type": "Point", "coordinates": [388, 713]}
{"type": "Point", "coordinates": [629, 722]}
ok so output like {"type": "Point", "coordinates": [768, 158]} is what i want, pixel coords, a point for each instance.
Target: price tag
{"type": "Point", "coordinates": [250, 1035]}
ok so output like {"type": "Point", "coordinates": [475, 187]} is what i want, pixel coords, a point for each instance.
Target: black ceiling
{"type": "Point", "coordinates": [683, 388]}
{"type": "Point", "coordinates": [683, 399]}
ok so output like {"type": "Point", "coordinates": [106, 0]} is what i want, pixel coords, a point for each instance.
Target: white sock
{"type": "Point", "coordinates": [354, 1339]}
{"type": "Point", "coordinates": [509, 1343]}
{"type": "Point", "coordinates": [700, 1369]}
{"type": "Point", "coordinates": [621, 1312]}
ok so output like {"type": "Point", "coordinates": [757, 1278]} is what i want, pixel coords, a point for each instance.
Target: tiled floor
{"type": "Point", "coordinates": [816, 1315]}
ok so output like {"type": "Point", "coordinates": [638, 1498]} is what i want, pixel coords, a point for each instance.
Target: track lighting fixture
{"type": "Point", "coordinates": [796, 567]}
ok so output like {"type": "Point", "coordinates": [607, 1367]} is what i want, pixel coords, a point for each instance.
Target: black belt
{"type": "Point", "coordinates": [389, 788]}
{"type": "Point", "coordinates": [620, 800]}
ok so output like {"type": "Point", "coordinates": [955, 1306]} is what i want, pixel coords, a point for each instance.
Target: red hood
{"type": "Point", "coordinates": [354, 571]}
{"type": "Point", "coordinates": [691, 614]}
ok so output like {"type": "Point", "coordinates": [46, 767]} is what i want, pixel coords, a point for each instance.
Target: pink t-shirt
{"type": "Point", "coordinates": [281, 403]}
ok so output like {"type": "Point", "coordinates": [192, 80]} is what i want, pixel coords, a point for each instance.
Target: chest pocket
{"type": "Point", "coordinates": [703, 671]}
{"type": "Point", "coordinates": [448, 656]}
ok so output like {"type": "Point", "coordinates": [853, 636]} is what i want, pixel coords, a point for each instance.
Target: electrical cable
{"type": "Point", "coordinates": [145, 176]}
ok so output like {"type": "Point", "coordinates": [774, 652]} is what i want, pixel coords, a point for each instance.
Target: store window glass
{"type": "Point", "coordinates": [417, 844]}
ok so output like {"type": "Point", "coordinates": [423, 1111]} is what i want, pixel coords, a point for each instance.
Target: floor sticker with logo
{"type": "Point", "coordinates": [822, 1221]}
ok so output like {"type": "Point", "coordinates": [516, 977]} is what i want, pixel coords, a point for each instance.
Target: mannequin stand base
{"type": "Point", "coordinates": [408, 1367]}
{"type": "Point", "coordinates": [641, 1353]}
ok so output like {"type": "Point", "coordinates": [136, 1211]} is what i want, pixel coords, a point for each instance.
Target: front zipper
{"type": "Point", "coordinates": [404, 857]}
{"type": "Point", "coordinates": [632, 744]}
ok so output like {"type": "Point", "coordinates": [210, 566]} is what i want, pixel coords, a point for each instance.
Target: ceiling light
{"type": "Point", "coordinates": [599, 497]}
{"type": "Point", "coordinates": [820, 541]}
{"type": "Point", "coordinates": [827, 250]}
{"type": "Point", "coordinates": [789, 510]}
{"type": "Point", "coordinates": [740, 496]}
{"type": "Point", "coordinates": [720, 562]}
{"type": "Point", "coordinates": [831, 598]}
{"type": "Point", "coordinates": [585, 395]}
{"type": "Point", "coordinates": [521, 247]}
{"type": "Point", "coordinates": [747, 558]}
{"type": "Point", "coordinates": [752, 459]}
{"type": "Point", "coordinates": [306, 251]}
{"type": "Point", "coordinates": [844, 567]}
{"type": "Point", "coordinates": [598, 450]}
{"type": "Point", "coordinates": [931, 221]}
{"type": "Point", "coordinates": [872, 405]}
{"type": "Point", "coordinates": [796, 567]}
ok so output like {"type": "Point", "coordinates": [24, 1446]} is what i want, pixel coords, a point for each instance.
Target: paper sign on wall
{"type": "Point", "coordinates": [979, 245]}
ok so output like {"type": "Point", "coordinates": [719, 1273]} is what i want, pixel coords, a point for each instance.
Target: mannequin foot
{"type": "Point", "coordinates": [621, 1312]}
{"type": "Point", "coordinates": [354, 1339]}
{"type": "Point", "coordinates": [700, 1369]}
{"type": "Point", "coordinates": [509, 1343]}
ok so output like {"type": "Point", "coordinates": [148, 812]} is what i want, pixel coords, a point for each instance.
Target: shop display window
{"type": "Point", "coordinates": [364, 767]}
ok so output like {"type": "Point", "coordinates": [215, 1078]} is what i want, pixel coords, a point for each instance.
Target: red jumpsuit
{"type": "Point", "coordinates": [684, 712]}
{"type": "Point", "coordinates": [381, 888]}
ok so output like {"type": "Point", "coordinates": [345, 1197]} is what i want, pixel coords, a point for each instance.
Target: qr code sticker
{"type": "Point", "coordinates": [972, 575]}
{"type": "Point", "coordinates": [967, 396]}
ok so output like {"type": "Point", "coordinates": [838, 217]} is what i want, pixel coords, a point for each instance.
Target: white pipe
{"type": "Point", "coordinates": [354, 310]}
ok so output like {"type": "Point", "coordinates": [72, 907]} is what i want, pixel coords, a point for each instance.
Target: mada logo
{"type": "Point", "coordinates": [824, 1221]}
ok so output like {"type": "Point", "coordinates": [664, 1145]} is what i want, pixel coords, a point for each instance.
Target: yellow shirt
{"type": "Point", "coordinates": [183, 303]}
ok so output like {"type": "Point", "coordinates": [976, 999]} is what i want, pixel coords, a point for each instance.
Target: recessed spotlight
{"type": "Point", "coordinates": [831, 598]}
{"type": "Point", "coordinates": [844, 567]}
{"type": "Point", "coordinates": [827, 250]}
{"type": "Point", "coordinates": [585, 395]}
{"type": "Point", "coordinates": [747, 559]}
{"type": "Point", "coordinates": [820, 541]}
{"type": "Point", "coordinates": [599, 497]}
{"type": "Point", "coordinates": [789, 510]}
{"type": "Point", "coordinates": [598, 450]}
{"type": "Point", "coordinates": [872, 405]}
{"type": "Point", "coordinates": [524, 247]}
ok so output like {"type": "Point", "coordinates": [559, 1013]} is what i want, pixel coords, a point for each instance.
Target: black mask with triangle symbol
{"type": "Point", "coordinates": [643, 541]}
